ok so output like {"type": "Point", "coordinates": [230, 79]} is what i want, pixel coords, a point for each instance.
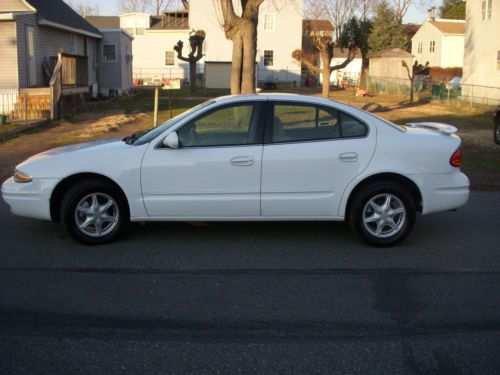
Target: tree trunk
{"type": "Point", "coordinates": [326, 79]}
{"type": "Point", "coordinates": [237, 65]}
{"type": "Point", "coordinates": [249, 34]}
{"type": "Point", "coordinates": [192, 76]}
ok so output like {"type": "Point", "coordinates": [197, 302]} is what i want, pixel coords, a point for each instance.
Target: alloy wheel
{"type": "Point", "coordinates": [97, 214]}
{"type": "Point", "coordinates": [384, 215]}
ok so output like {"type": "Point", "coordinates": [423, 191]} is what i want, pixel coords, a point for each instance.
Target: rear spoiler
{"type": "Point", "coordinates": [442, 128]}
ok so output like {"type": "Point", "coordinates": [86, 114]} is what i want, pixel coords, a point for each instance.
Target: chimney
{"type": "Point", "coordinates": [431, 14]}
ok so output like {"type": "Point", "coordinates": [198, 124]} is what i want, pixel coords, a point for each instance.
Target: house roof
{"type": "Point", "coordinates": [450, 27]}
{"type": "Point", "coordinates": [178, 20]}
{"type": "Point", "coordinates": [57, 13]}
{"type": "Point", "coordinates": [390, 52]}
{"type": "Point", "coordinates": [317, 25]}
{"type": "Point", "coordinates": [104, 22]}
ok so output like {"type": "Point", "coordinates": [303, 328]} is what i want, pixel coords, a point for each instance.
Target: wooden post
{"type": "Point", "coordinates": [155, 120]}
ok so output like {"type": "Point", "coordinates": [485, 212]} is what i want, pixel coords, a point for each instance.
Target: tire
{"type": "Point", "coordinates": [496, 132]}
{"type": "Point", "coordinates": [369, 204]}
{"type": "Point", "coordinates": [85, 202]}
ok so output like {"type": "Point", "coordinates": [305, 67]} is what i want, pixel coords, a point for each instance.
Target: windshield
{"type": "Point", "coordinates": [152, 133]}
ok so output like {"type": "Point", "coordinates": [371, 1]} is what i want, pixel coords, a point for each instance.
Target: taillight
{"type": "Point", "coordinates": [456, 158]}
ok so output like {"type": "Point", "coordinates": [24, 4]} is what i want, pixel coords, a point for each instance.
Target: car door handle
{"type": "Point", "coordinates": [349, 157]}
{"type": "Point", "coordinates": [241, 161]}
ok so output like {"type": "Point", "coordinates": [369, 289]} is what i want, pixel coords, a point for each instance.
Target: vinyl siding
{"type": "Point", "coordinates": [126, 67]}
{"type": "Point", "coordinates": [13, 6]}
{"type": "Point", "coordinates": [110, 72]}
{"type": "Point", "coordinates": [8, 57]}
{"type": "Point", "coordinates": [22, 58]}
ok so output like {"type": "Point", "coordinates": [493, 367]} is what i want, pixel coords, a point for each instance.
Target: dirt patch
{"type": "Point", "coordinates": [83, 127]}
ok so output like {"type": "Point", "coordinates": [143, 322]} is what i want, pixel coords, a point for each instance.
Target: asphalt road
{"type": "Point", "coordinates": [253, 298]}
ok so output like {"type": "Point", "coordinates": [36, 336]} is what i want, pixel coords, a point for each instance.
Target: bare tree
{"type": "Point", "coordinates": [339, 12]}
{"type": "Point", "coordinates": [84, 9]}
{"type": "Point", "coordinates": [242, 31]}
{"type": "Point", "coordinates": [416, 69]}
{"type": "Point", "coordinates": [196, 54]}
{"type": "Point", "coordinates": [325, 46]}
{"type": "Point", "coordinates": [131, 6]}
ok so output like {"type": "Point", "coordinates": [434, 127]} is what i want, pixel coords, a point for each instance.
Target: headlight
{"type": "Point", "coordinates": [21, 177]}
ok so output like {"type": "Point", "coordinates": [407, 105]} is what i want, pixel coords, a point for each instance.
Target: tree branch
{"type": "Point", "coordinates": [299, 56]}
{"type": "Point", "coordinates": [178, 48]}
{"type": "Point", "coordinates": [350, 56]}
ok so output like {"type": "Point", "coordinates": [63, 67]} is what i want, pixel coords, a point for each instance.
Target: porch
{"type": "Point", "coordinates": [69, 78]}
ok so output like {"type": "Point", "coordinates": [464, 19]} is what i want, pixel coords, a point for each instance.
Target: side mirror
{"type": "Point", "coordinates": [171, 141]}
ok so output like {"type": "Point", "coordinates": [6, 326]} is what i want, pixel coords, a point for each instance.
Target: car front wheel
{"type": "Point", "coordinates": [382, 213]}
{"type": "Point", "coordinates": [94, 212]}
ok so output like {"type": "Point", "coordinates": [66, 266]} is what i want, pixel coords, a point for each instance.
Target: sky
{"type": "Point", "coordinates": [415, 14]}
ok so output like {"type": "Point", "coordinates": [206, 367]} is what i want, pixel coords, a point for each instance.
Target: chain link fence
{"type": "Point", "coordinates": [451, 93]}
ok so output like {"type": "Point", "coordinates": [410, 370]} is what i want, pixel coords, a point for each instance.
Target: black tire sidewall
{"type": "Point", "coordinates": [368, 192]}
{"type": "Point", "coordinates": [75, 194]}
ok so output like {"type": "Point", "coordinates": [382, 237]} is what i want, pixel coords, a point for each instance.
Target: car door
{"type": "Point", "coordinates": [216, 170]}
{"type": "Point", "coordinates": [311, 153]}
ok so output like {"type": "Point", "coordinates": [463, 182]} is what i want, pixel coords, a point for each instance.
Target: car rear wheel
{"type": "Point", "coordinates": [94, 212]}
{"type": "Point", "coordinates": [382, 213]}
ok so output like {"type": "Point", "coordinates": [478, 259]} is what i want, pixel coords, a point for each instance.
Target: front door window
{"type": "Point", "coordinates": [229, 126]}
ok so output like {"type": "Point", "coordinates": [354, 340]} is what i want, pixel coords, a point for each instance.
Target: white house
{"type": "Point", "coordinates": [481, 71]}
{"type": "Point", "coordinates": [279, 34]}
{"type": "Point", "coordinates": [153, 45]}
{"type": "Point", "coordinates": [351, 73]}
{"type": "Point", "coordinates": [440, 42]}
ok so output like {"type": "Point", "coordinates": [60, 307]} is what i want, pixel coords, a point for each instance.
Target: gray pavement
{"type": "Point", "coordinates": [253, 298]}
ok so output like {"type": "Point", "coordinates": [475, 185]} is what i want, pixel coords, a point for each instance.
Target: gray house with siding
{"type": "Point", "coordinates": [115, 55]}
{"type": "Point", "coordinates": [52, 57]}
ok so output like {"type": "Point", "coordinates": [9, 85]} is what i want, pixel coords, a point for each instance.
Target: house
{"type": "Point", "coordinates": [153, 44]}
{"type": "Point", "coordinates": [348, 75]}
{"type": "Point", "coordinates": [49, 56]}
{"type": "Point", "coordinates": [386, 70]}
{"type": "Point", "coordinates": [481, 69]}
{"type": "Point", "coordinates": [114, 56]}
{"type": "Point", "coordinates": [439, 42]}
{"type": "Point", "coordinates": [279, 34]}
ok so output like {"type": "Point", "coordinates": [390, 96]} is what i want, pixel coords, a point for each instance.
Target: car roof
{"type": "Point", "coordinates": [274, 97]}
{"type": "Point", "coordinates": [285, 97]}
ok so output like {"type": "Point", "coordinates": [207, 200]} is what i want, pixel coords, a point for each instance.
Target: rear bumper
{"type": "Point", "coordinates": [30, 199]}
{"type": "Point", "coordinates": [443, 192]}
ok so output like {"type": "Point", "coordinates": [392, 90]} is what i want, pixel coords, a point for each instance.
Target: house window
{"type": "Point", "coordinates": [486, 9]}
{"type": "Point", "coordinates": [432, 46]}
{"type": "Point", "coordinates": [109, 52]}
{"type": "Point", "coordinates": [419, 47]}
{"type": "Point", "coordinates": [269, 22]}
{"type": "Point", "coordinates": [268, 58]}
{"type": "Point", "coordinates": [169, 58]}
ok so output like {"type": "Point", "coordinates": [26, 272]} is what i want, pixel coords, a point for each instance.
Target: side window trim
{"type": "Point", "coordinates": [268, 131]}
{"type": "Point", "coordinates": [258, 112]}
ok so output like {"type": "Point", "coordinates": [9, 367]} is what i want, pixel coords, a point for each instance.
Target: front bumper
{"type": "Point", "coordinates": [443, 192]}
{"type": "Point", "coordinates": [31, 199]}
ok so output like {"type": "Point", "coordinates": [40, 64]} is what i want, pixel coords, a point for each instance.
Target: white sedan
{"type": "Point", "coordinates": [249, 158]}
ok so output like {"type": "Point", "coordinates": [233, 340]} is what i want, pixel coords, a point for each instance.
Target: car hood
{"type": "Point", "coordinates": [87, 156]}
